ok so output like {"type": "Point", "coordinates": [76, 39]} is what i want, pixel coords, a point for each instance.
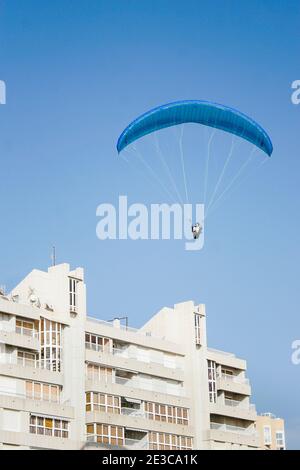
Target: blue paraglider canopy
{"type": "Point", "coordinates": [201, 112]}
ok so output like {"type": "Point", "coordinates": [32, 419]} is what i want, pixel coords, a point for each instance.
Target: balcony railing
{"type": "Point", "coordinates": [127, 443]}
{"type": "Point", "coordinates": [133, 412]}
{"type": "Point", "coordinates": [21, 330]}
{"type": "Point", "coordinates": [231, 428]}
{"type": "Point", "coordinates": [218, 351]}
{"type": "Point", "coordinates": [136, 443]}
{"type": "Point", "coordinates": [234, 378]}
{"type": "Point", "coordinates": [124, 327]}
{"type": "Point", "coordinates": [137, 355]}
{"type": "Point", "coordinates": [151, 386]}
{"type": "Point", "coordinates": [239, 404]}
{"type": "Point", "coordinates": [38, 363]}
{"type": "Point", "coordinates": [11, 393]}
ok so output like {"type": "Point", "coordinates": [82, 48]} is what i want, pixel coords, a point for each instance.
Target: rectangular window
{"type": "Point", "coordinates": [46, 426]}
{"type": "Point", "coordinates": [105, 434]}
{"type": "Point", "coordinates": [197, 319]}
{"type": "Point", "coordinates": [97, 373]}
{"type": "Point", "coordinates": [267, 435]}
{"type": "Point", "coordinates": [42, 391]}
{"type": "Point", "coordinates": [212, 389]}
{"type": "Point", "coordinates": [162, 441]}
{"type": "Point", "coordinates": [25, 327]}
{"type": "Point", "coordinates": [27, 359]}
{"type": "Point", "coordinates": [97, 343]}
{"type": "Point", "coordinates": [227, 373]}
{"type": "Point", "coordinates": [166, 413]}
{"type": "Point", "coordinates": [280, 444]}
{"type": "Point", "coordinates": [51, 345]}
{"type": "Point", "coordinates": [73, 294]}
{"type": "Point", "coordinates": [103, 402]}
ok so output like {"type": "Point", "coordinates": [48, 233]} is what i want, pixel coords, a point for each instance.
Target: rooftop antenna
{"type": "Point", "coordinates": [53, 256]}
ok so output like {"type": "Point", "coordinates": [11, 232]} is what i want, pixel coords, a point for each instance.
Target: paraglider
{"type": "Point", "coordinates": [196, 230]}
{"type": "Point", "coordinates": [201, 112]}
{"type": "Point", "coordinates": [205, 113]}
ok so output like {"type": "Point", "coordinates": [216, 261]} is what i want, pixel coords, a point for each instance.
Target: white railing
{"type": "Point", "coordinates": [143, 357]}
{"type": "Point", "coordinates": [134, 412]}
{"type": "Point", "coordinates": [151, 386]}
{"type": "Point", "coordinates": [136, 443]}
{"type": "Point", "coordinates": [124, 327]}
{"type": "Point", "coordinates": [37, 363]}
{"type": "Point", "coordinates": [21, 330]}
{"type": "Point", "coordinates": [129, 443]}
{"type": "Point", "coordinates": [235, 403]}
{"type": "Point", "coordinates": [231, 428]}
{"type": "Point", "coordinates": [234, 378]}
{"type": "Point", "coordinates": [11, 393]}
{"type": "Point", "coordinates": [137, 355]}
{"type": "Point", "coordinates": [218, 351]}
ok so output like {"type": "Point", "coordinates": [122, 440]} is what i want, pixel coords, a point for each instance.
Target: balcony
{"type": "Point", "coordinates": [127, 353]}
{"type": "Point", "coordinates": [32, 369]}
{"type": "Point", "coordinates": [11, 393]}
{"type": "Point", "coordinates": [136, 444]}
{"type": "Point", "coordinates": [235, 378]}
{"type": "Point", "coordinates": [151, 386]}
{"type": "Point", "coordinates": [23, 338]}
{"type": "Point", "coordinates": [245, 436]}
{"type": "Point", "coordinates": [235, 429]}
{"type": "Point", "coordinates": [10, 399]}
{"type": "Point", "coordinates": [239, 409]}
{"type": "Point", "coordinates": [130, 444]}
{"type": "Point", "coordinates": [133, 412]}
{"type": "Point", "coordinates": [124, 327]}
{"type": "Point", "coordinates": [239, 404]}
{"type": "Point", "coordinates": [233, 383]}
{"type": "Point", "coordinates": [21, 330]}
{"type": "Point", "coordinates": [38, 364]}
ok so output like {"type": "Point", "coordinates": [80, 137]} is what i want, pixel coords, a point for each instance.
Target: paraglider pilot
{"type": "Point", "coordinates": [196, 230]}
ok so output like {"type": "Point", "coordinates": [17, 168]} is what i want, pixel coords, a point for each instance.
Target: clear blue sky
{"type": "Point", "coordinates": [77, 72]}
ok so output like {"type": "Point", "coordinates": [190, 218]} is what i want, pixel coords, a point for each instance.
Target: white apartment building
{"type": "Point", "coordinates": [69, 381]}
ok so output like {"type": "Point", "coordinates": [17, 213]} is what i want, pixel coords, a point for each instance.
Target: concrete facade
{"type": "Point", "coordinates": [271, 432]}
{"type": "Point", "coordinates": [69, 381]}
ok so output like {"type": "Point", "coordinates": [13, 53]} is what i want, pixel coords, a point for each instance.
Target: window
{"type": "Point", "coordinates": [51, 345]}
{"type": "Point", "coordinates": [98, 373]}
{"type": "Point", "coordinates": [197, 328]}
{"type": "Point", "coordinates": [4, 322]}
{"type": "Point", "coordinates": [227, 373]}
{"type": "Point", "coordinates": [73, 294]}
{"type": "Point", "coordinates": [162, 441]}
{"type": "Point", "coordinates": [105, 434]}
{"type": "Point", "coordinates": [166, 413]}
{"type": "Point", "coordinates": [27, 359]}
{"type": "Point", "coordinates": [212, 390]}
{"type": "Point", "coordinates": [25, 327]}
{"type": "Point", "coordinates": [46, 426]}
{"type": "Point", "coordinates": [267, 435]}
{"type": "Point", "coordinates": [11, 420]}
{"type": "Point", "coordinates": [97, 343]}
{"type": "Point", "coordinates": [42, 391]}
{"type": "Point", "coordinates": [280, 444]}
{"type": "Point", "coordinates": [102, 402]}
